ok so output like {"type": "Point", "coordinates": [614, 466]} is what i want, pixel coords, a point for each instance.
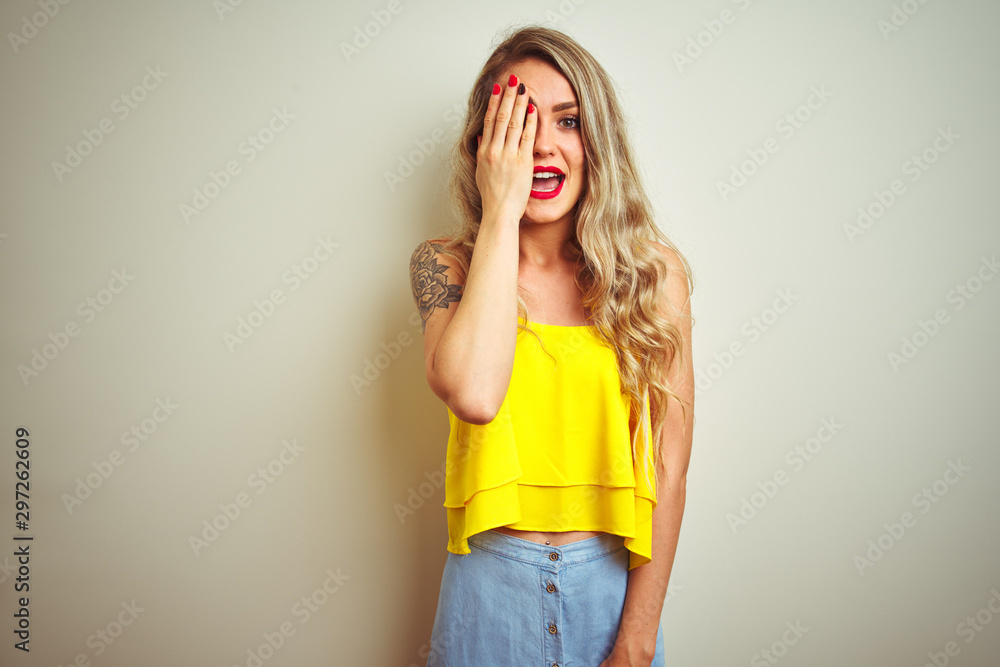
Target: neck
{"type": "Point", "coordinates": [546, 245]}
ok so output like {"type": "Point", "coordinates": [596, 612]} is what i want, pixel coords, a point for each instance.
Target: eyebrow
{"type": "Point", "coordinates": [562, 106]}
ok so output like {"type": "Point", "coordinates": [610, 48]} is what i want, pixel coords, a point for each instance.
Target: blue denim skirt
{"type": "Point", "coordinates": [519, 603]}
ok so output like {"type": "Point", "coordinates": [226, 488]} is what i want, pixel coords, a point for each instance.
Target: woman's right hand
{"type": "Point", "coordinates": [505, 157]}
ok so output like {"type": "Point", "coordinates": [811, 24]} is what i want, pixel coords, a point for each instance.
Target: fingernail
{"type": "Point", "coordinates": [531, 108]}
{"type": "Point", "coordinates": [496, 88]}
{"type": "Point", "coordinates": [520, 89]}
{"type": "Point", "coordinates": [512, 81]}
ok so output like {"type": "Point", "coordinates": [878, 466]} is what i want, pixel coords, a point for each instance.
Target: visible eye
{"type": "Point", "coordinates": [573, 119]}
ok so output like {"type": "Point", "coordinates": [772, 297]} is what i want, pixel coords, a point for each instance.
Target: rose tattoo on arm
{"type": "Point", "coordinates": [429, 282]}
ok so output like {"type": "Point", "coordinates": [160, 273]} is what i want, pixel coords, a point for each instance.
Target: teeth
{"type": "Point", "coordinates": [551, 188]}
{"type": "Point", "coordinates": [546, 174]}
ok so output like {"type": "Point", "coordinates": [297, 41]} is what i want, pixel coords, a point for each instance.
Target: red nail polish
{"type": "Point", "coordinates": [512, 81]}
{"type": "Point", "coordinates": [531, 108]}
{"type": "Point", "coordinates": [496, 88]}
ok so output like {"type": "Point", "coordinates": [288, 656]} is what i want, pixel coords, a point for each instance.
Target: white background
{"type": "Point", "coordinates": [367, 450]}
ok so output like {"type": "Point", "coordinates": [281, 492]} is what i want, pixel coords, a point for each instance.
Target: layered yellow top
{"type": "Point", "coordinates": [558, 456]}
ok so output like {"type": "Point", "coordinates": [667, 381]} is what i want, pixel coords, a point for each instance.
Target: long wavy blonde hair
{"type": "Point", "coordinates": [621, 275]}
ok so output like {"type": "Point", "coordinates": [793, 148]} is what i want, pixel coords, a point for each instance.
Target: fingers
{"type": "Point", "coordinates": [490, 118]}
{"type": "Point", "coordinates": [514, 135]}
{"type": "Point", "coordinates": [500, 114]}
{"type": "Point", "coordinates": [527, 146]}
{"type": "Point", "coordinates": [504, 113]}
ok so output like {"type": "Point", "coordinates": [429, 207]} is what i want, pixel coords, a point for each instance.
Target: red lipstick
{"type": "Point", "coordinates": [552, 193]}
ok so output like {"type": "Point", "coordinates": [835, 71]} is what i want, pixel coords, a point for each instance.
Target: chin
{"type": "Point", "coordinates": [539, 211]}
{"type": "Point", "coordinates": [542, 217]}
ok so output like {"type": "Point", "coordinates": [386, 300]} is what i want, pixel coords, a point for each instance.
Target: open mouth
{"type": "Point", "coordinates": [547, 184]}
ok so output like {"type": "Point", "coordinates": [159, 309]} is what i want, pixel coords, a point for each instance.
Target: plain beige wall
{"type": "Point", "coordinates": [814, 304]}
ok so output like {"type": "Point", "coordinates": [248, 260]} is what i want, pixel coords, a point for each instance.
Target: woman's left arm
{"type": "Point", "coordinates": [647, 584]}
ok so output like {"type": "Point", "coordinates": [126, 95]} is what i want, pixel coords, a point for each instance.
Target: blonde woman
{"type": "Point", "coordinates": [557, 332]}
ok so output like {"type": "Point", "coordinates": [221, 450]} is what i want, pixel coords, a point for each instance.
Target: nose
{"type": "Point", "coordinates": [544, 138]}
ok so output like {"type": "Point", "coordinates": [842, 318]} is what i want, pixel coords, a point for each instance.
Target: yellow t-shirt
{"type": "Point", "coordinates": [558, 456]}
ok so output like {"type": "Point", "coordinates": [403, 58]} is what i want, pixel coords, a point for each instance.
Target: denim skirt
{"type": "Point", "coordinates": [514, 602]}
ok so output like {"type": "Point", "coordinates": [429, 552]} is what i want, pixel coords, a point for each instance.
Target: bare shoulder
{"type": "Point", "coordinates": [434, 278]}
{"type": "Point", "coordinates": [430, 254]}
{"type": "Point", "coordinates": [671, 258]}
{"type": "Point", "coordinates": [678, 281]}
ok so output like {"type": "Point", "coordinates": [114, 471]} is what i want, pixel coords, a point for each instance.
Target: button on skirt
{"type": "Point", "coordinates": [515, 602]}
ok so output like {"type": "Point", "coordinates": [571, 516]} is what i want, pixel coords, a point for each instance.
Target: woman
{"type": "Point", "coordinates": [557, 333]}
